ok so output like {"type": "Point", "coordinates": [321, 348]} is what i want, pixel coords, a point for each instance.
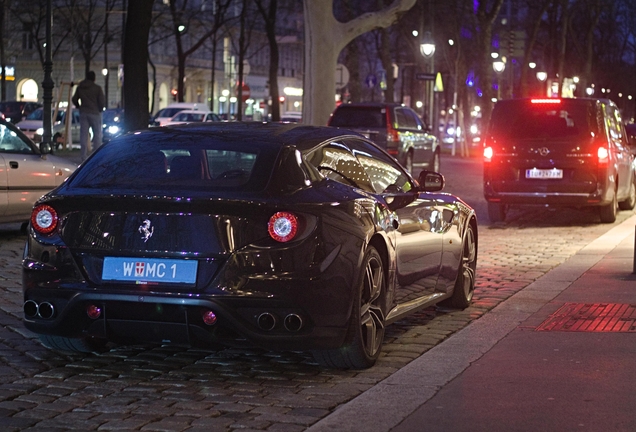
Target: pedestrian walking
{"type": "Point", "coordinates": [89, 98]}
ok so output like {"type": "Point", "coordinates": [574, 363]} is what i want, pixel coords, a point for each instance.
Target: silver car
{"type": "Point", "coordinates": [29, 174]}
{"type": "Point", "coordinates": [33, 126]}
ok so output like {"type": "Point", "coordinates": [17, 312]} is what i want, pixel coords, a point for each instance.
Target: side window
{"type": "Point", "coordinates": [76, 116]}
{"type": "Point", "coordinates": [336, 162]}
{"type": "Point", "coordinates": [415, 120]}
{"type": "Point", "coordinates": [10, 142]}
{"type": "Point", "coordinates": [385, 174]}
{"type": "Point", "coordinates": [401, 119]}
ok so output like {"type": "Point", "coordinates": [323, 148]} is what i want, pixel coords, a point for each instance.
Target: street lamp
{"type": "Point", "coordinates": [427, 49]}
{"type": "Point", "coordinates": [499, 66]}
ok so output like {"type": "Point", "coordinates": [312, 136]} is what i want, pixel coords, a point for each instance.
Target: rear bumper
{"type": "Point", "coordinates": [130, 318]}
{"type": "Point", "coordinates": [598, 198]}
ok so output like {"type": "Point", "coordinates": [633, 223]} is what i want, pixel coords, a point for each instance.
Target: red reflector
{"type": "Point", "coordinates": [392, 151]}
{"type": "Point", "coordinates": [545, 101]}
{"type": "Point", "coordinates": [44, 219]}
{"type": "Point", "coordinates": [283, 226]}
{"type": "Point", "coordinates": [209, 317]}
{"type": "Point", "coordinates": [93, 311]}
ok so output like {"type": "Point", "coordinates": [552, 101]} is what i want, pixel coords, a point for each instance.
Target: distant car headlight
{"type": "Point", "coordinates": [113, 129]}
{"type": "Point", "coordinates": [473, 129]}
{"type": "Point", "coordinates": [450, 131]}
{"type": "Point", "coordinates": [39, 131]}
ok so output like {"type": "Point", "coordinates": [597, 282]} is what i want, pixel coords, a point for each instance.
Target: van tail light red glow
{"type": "Point", "coordinates": [488, 154]}
{"type": "Point", "coordinates": [44, 219]}
{"type": "Point", "coordinates": [603, 155]}
{"type": "Point", "coordinates": [283, 226]}
{"type": "Point", "coordinates": [392, 140]}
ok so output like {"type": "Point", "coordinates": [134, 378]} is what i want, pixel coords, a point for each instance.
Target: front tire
{"type": "Point", "coordinates": [465, 282]}
{"type": "Point", "coordinates": [366, 325]}
{"type": "Point", "coordinates": [630, 202]}
{"type": "Point", "coordinates": [496, 212]}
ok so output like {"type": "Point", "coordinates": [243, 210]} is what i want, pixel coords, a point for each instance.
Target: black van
{"type": "Point", "coordinates": [558, 152]}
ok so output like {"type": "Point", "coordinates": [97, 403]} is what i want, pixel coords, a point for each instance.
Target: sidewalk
{"type": "Point", "coordinates": [501, 374]}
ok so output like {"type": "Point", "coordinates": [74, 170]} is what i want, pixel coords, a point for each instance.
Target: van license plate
{"type": "Point", "coordinates": [149, 270]}
{"type": "Point", "coordinates": [535, 173]}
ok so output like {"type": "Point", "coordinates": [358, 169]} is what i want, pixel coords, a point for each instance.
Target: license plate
{"type": "Point", "coordinates": [149, 270]}
{"type": "Point", "coordinates": [535, 173]}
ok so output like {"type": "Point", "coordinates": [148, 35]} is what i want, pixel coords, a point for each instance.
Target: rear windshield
{"type": "Point", "coordinates": [169, 112]}
{"type": "Point", "coordinates": [523, 119]}
{"type": "Point", "coordinates": [354, 116]}
{"type": "Point", "coordinates": [38, 114]}
{"type": "Point", "coordinates": [10, 108]}
{"type": "Point", "coordinates": [169, 162]}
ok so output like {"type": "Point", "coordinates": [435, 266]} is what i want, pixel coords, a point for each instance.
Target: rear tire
{"type": "Point", "coordinates": [496, 212]}
{"type": "Point", "coordinates": [630, 202]}
{"type": "Point", "coordinates": [366, 326]}
{"type": "Point", "coordinates": [608, 212]}
{"type": "Point", "coordinates": [73, 345]}
{"type": "Point", "coordinates": [465, 282]}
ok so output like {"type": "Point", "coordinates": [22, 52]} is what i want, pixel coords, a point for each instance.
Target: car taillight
{"type": "Point", "coordinates": [44, 219]}
{"type": "Point", "coordinates": [392, 140]}
{"type": "Point", "coordinates": [603, 155]}
{"type": "Point", "coordinates": [488, 154]}
{"type": "Point", "coordinates": [283, 226]}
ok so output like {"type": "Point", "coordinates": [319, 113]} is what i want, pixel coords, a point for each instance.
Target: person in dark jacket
{"type": "Point", "coordinates": [89, 98]}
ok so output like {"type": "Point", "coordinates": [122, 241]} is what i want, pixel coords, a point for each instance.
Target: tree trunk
{"type": "Point", "coordinates": [562, 45]}
{"type": "Point", "coordinates": [136, 64]}
{"type": "Point", "coordinates": [325, 37]}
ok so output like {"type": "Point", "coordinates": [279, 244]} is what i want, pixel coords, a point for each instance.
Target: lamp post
{"type": "Point", "coordinates": [427, 49]}
{"type": "Point", "coordinates": [542, 76]}
{"type": "Point", "coordinates": [498, 66]}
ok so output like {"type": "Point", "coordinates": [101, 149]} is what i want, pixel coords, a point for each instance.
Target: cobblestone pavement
{"type": "Point", "coordinates": [164, 388]}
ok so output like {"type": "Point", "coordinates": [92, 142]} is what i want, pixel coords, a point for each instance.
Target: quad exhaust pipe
{"type": "Point", "coordinates": [268, 321]}
{"type": "Point", "coordinates": [44, 310]}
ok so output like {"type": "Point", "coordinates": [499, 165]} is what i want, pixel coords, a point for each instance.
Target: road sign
{"type": "Point", "coordinates": [371, 81]}
{"type": "Point", "coordinates": [342, 76]}
{"type": "Point", "coordinates": [426, 76]}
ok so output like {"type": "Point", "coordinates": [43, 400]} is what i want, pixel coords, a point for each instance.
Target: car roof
{"type": "Point", "coordinates": [371, 105]}
{"type": "Point", "coordinates": [267, 134]}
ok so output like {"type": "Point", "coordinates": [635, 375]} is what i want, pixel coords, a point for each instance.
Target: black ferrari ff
{"type": "Point", "coordinates": [283, 236]}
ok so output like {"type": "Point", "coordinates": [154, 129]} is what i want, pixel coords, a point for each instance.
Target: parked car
{"type": "Point", "coordinates": [15, 111]}
{"type": "Point", "coordinates": [396, 128]}
{"type": "Point", "coordinates": [285, 236]}
{"type": "Point", "coordinates": [164, 115]}
{"type": "Point", "coordinates": [558, 152]}
{"type": "Point", "coordinates": [33, 126]}
{"type": "Point", "coordinates": [193, 116]}
{"type": "Point", "coordinates": [27, 174]}
{"type": "Point", "coordinates": [112, 123]}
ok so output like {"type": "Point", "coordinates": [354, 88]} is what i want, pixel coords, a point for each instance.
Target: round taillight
{"type": "Point", "coordinates": [603, 154]}
{"type": "Point", "coordinates": [283, 226]}
{"type": "Point", "coordinates": [44, 219]}
{"type": "Point", "coordinates": [209, 317]}
{"type": "Point", "coordinates": [93, 311]}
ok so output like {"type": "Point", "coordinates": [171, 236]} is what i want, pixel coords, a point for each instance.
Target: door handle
{"type": "Point", "coordinates": [13, 164]}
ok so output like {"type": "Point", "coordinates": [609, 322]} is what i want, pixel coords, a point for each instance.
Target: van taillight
{"type": "Point", "coordinates": [488, 153]}
{"type": "Point", "coordinates": [603, 155]}
{"type": "Point", "coordinates": [392, 139]}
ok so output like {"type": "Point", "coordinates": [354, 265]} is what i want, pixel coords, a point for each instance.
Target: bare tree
{"type": "Point", "coordinates": [268, 12]}
{"type": "Point", "coordinates": [139, 16]}
{"type": "Point", "coordinates": [325, 37]}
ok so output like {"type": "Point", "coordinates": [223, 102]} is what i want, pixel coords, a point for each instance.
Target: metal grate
{"type": "Point", "coordinates": [592, 317]}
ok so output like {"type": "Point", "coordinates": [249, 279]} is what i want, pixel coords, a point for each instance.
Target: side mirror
{"type": "Point", "coordinates": [431, 181]}
{"type": "Point", "coordinates": [45, 148]}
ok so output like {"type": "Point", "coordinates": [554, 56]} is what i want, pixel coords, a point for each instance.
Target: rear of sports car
{"type": "Point", "coordinates": [194, 242]}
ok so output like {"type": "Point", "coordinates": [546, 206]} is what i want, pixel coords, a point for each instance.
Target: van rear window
{"type": "Point", "coordinates": [356, 116]}
{"type": "Point", "coordinates": [521, 119]}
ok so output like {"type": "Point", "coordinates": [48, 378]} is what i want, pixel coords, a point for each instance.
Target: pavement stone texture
{"type": "Point", "coordinates": [167, 388]}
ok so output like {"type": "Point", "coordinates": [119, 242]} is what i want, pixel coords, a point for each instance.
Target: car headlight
{"type": "Point", "coordinates": [39, 131]}
{"type": "Point", "coordinates": [113, 129]}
